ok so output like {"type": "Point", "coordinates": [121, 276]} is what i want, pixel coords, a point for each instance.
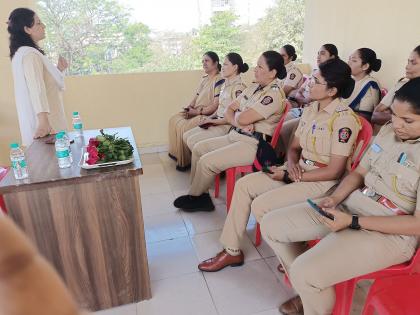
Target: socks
{"type": "Point", "coordinates": [233, 251]}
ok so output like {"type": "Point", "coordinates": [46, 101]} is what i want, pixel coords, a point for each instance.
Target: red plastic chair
{"type": "Point", "coordinates": [233, 171]}
{"type": "Point", "coordinates": [383, 92]}
{"type": "Point", "coordinates": [3, 172]}
{"type": "Point", "coordinates": [344, 291]}
{"type": "Point", "coordinates": [394, 296]}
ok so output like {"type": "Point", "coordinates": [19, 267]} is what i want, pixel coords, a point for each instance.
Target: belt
{"type": "Point", "coordinates": [367, 191]}
{"type": "Point", "coordinates": [313, 163]}
{"type": "Point", "coordinates": [254, 134]}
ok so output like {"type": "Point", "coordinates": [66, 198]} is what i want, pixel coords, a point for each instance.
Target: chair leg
{"type": "Point", "coordinates": [230, 185]}
{"type": "Point", "coordinates": [3, 205]}
{"type": "Point", "coordinates": [344, 292]}
{"type": "Point", "coordinates": [217, 186]}
{"type": "Point", "coordinates": [258, 235]}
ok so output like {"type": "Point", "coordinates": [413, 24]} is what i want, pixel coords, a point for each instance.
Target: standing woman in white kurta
{"type": "Point", "coordinates": [38, 83]}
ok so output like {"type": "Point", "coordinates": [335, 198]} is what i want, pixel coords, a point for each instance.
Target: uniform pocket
{"type": "Point", "coordinates": [406, 178]}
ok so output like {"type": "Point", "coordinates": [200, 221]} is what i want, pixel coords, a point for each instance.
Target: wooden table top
{"type": "Point", "coordinates": [44, 171]}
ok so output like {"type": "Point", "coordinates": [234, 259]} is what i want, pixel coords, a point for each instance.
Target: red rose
{"type": "Point", "coordinates": [93, 142]}
{"type": "Point", "coordinates": [92, 160]}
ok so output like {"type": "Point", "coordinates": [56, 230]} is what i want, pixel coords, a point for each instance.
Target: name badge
{"type": "Point", "coordinates": [376, 148]}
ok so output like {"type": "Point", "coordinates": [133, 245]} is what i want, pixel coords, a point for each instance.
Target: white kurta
{"type": "Point", "coordinates": [38, 86]}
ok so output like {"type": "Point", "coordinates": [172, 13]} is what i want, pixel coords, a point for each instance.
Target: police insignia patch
{"type": "Point", "coordinates": [292, 76]}
{"type": "Point", "coordinates": [237, 93]}
{"type": "Point", "coordinates": [267, 100]}
{"type": "Point", "coordinates": [344, 135]}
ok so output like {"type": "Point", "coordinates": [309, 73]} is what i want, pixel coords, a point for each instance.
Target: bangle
{"type": "Point", "coordinates": [286, 177]}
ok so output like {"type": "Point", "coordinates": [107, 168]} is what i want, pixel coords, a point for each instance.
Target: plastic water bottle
{"type": "Point", "coordinates": [62, 151]}
{"type": "Point", "coordinates": [67, 139]}
{"type": "Point", "coordinates": [17, 157]}
{"type": "Point", "coordinates": [77, 124]}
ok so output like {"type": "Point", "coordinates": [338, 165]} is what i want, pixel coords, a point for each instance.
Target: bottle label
{"type": "Point", "coordinates": [18, 164]}
{"type": "Point", "coordinates": [78, 126]}
{"type": "Point", "coordinates": [62, 154]}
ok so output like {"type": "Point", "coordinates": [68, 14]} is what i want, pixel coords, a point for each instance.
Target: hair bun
{"type": "Point", "coordinates": [376, 65]}
{"type": "Point", "coordinates": [294, 57]}
{"type": "Point", "coordinates": [348, 89]}
{"type": "Point", "coordinates": [244, 68]}
{"type": "Point", "coordinates": [282, 73]}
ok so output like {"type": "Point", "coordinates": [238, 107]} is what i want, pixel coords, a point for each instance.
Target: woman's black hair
{"type": "Point", "coordinates": [291, 51]}
{"type": "Point", "coordinates": [410, 93]}
{"type": "Point", "coordinates": [215, 58]}
{"type": "Point", "coordinates": [337, 74]}
{"type": "Point", "coordinates": [18, 19]}
{"type": "Point", "coordinates": [236, 59]}
{"type": "Point", "coordinates": [332, 50]}
{"type": "Point", "coordinates": [417, 50]}
{"type": "Point", "coordinates": [368, 56]}
{"type": "Point", "coordinates": [275, 61]}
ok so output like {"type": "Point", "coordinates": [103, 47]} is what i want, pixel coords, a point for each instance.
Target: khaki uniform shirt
{"type": "Point", "coordinates": [208, 90]}
{"type": "Point", "coordinates": [390, 175]}
{"type": "Point", "coordinates": [268, 101]}
{"type": "Point", "coordinates": [294, 76]}
{"type": "Point", "coordinates": [371, 98]}
{"type": "Point", "coordinates": [332, 130]}
{"type": "Point", "coordinates": [230, 90]}
{"type": "Point", "coordinates": [389, 97]}
{"type": "Point", "coordinates": [43, 91]}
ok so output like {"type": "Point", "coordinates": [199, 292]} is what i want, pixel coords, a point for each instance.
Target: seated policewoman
{"type": "Point", "coordinates": [376, 221]}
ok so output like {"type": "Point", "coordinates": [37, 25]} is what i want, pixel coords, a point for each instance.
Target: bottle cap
{"type": "Point", "coordinates": [75, 113]}
{"type": "Point", "coordinates": [59, 135]}
{"type": "Point", "coordinates": [14, 145]}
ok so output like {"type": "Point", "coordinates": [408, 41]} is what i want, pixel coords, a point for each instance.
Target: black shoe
{"type": "Point", "coordinates": [198, 203]}
{"type": "Point", "coordinates": [172, 157]}
{"type": "Point", "coordinates": [182, 200]}
{"type": "Point", "coordinates": [183, 168]}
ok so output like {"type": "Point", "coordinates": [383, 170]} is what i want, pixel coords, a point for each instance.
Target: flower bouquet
{"type": "Point", "coordinates": [107, 150]}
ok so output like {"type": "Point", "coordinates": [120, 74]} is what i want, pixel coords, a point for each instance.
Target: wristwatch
{"type": "Point", "coordinates": [355, 222]}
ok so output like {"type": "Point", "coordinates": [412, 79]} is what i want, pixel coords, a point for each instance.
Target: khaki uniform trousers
{"type": "Point", "coordinates": [260, 194]}
{"type": "Point", "coordinates": [197, 134]}
{"type": "Point", "coordinates": [178, 125]}
{"type": "Point", "coordinates": [212, 156]}
{"type": "Point", "coordinates": [337, 257]}
{"type": "Point", "coordinates": [287, 133]}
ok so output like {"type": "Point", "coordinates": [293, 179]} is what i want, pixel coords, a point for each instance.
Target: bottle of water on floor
{"type": "Point", "coordinates": [67, 139]}
{"type": "Point", "coordinates": [17, 157]}
{"type": "Point", "coordinates": [77, 124]}
{"type": "Point", "coordinates": [62, 151]}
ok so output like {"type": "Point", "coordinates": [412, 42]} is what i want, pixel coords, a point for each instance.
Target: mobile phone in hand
{"type": "Point", "coordinates": [319, 210]}
{"type": "Point", "coordinates": [266, 169]}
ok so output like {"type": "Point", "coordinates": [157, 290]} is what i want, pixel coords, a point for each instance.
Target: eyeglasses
{"type": "Point", "coordinates": [315, 80]}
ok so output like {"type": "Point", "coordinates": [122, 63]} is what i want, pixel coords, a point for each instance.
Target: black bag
{"type": "Point", "coordinates": [266, 155]}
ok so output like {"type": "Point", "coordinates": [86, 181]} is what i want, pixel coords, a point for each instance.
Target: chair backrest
{"type": "Point", "coordinates": [276, 134]}
{"type": "Point", "coordinates": [364, 136]}
{"type": "Point", "coordinates": [415, 262]}
{"type": "Point", "coordinates": [384, 92]}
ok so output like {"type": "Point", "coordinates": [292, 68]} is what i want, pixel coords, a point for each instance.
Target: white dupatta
{"type": "Point", "coordinates": [26, 114]}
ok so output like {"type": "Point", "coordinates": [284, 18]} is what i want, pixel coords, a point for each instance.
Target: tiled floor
{"type": "Point", "coordinates": [177, 241]}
